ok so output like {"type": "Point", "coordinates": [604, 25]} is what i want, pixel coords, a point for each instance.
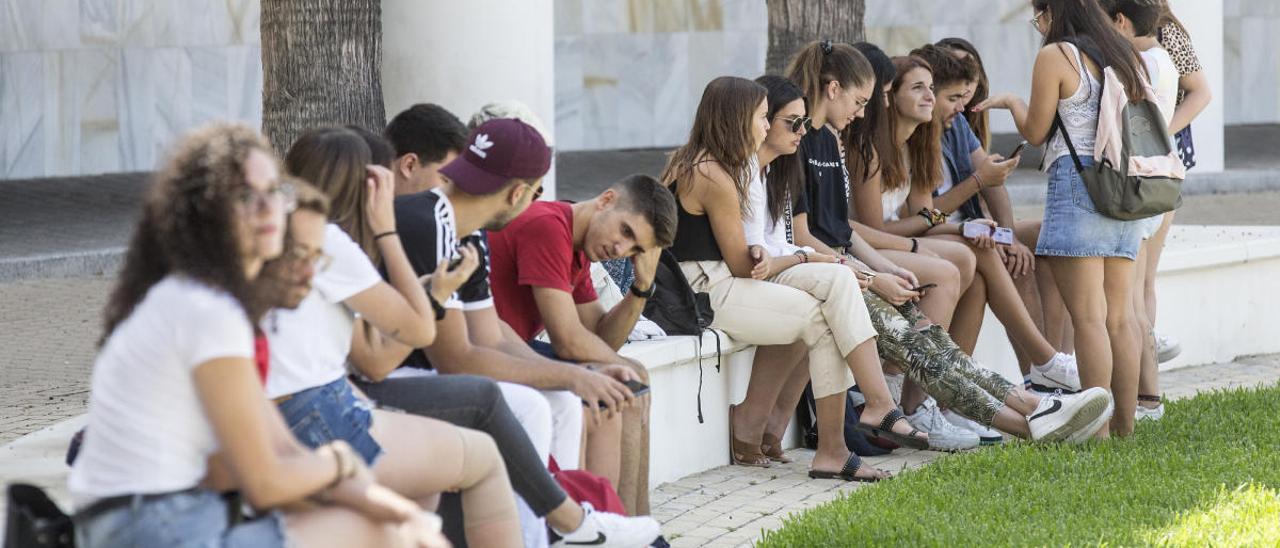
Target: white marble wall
{"type": "Point", "coordinates": [1251, 65]}
{"type": "Point", "coordinates": [629, 73]}
{"type": "Point", "coordinates": [96, 86]}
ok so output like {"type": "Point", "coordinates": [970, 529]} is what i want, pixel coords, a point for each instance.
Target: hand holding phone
{"type": "Point", "coordinates": [921, 288]}
{"type": "Point", "coordinates": [1017, 151]}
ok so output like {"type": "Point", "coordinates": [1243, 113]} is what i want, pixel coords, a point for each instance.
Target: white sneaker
{"type": "Point", "coordinates": [986, 436]}
{"type": "Point", "coordinates": [1070, 417]}
{"type": "Point", "coordinates": [895, 386]}
{"type": "Point", "coordinates": [1061, 373]}
{"type": "Point", "coordinates": [605, 529]}
{"type": "Point", "coordinates": [1167, 347]}
{"type": "Point", "coordinates": [943, 436]}
{"type": "Point", "coordinates": [1149, 413]}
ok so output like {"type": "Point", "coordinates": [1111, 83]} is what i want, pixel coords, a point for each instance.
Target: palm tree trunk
{"type": "Point", "coordinates": [321, 65]}
{"type": "Point", "coordinates": [793, 23]}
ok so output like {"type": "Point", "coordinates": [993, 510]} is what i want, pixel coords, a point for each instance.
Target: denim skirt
{"type": "Point", "coordinates": [331, 412]}
{"type": "Point", "coordinates": [195, 518]}
{"type": "Point", "coordinates": [1073, 227]}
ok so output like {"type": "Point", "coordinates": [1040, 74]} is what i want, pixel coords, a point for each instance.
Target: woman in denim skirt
{"type": "Point", "coordinates": [1092, 256]}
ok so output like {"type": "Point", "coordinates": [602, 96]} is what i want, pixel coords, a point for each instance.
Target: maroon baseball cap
{"type": "Point", "coordinates": [497, 151]}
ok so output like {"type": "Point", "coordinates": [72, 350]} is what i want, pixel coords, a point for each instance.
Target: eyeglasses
{"type": "Point", "coordinates": [798, 123]}
{"type": "Point", "coordinates": [316, 258]}
{"type": "Point", "coordinates": [1035, 20]}
{"type": "Point", "coordinates": [251, 200]}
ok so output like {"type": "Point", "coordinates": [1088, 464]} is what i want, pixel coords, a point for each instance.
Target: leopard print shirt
{"type": "Point", "coordinates": [1175, 41]}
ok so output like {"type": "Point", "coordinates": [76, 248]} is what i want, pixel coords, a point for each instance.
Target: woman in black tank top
{"type": "Point", "coordinates": [694, 240]}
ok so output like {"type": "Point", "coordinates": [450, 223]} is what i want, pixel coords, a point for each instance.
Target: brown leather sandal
{"type": "Point", "coordinates": [744, 453]}
{"type": "Point", "coordinates": [771, 447]}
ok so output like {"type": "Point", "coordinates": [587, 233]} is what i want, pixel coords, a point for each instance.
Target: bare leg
{"type": "Point", "coordinates": [773, 368]}
{"type": "Point", "coordinates": [832, 453]}
{"type": "Point", "coordinates": [790, 394]}
{"type": "Point", "coordinates": [1149, 380]}
{"type": "Point", "coordinates": [461, 460]}
{"type": "Point", "coordinates": [970, 312]}
{"type": "Point", "coordinates": [604, 448]}
{"type": "Point", "coordinates": [1080, 282]}
{"type": "Point", "coordinates": [864, 362]}
{"type": "Point", "coordinates": [338, 526]}
{"type": "Point", "coordinates": [1148, 368]}
{"type": "Point", "coordinates": [633, 487]}
{"type": "Point", "coordinates": [1008, 307]}
{"type": "Point", "coordinates": [1027, 233]}
{"type": "Point", "coordinates": [1123, 333]}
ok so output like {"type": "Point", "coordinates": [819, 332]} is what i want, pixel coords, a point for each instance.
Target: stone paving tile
{"type": "Point", "coordinates": [730, 506]}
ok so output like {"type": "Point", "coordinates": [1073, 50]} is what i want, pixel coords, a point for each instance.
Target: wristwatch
{"type": "Point", "coordinates": [647, 294]}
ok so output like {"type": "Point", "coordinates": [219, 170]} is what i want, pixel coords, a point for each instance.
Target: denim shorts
{"type": "Point", "coordinates": [544, 349]}
{"type": "Point", "coordinates": [331, 412]}
{"type": "Point", "coordinates": [1073, 227]}
{"type": "Point", "coordinates": [190, 518]}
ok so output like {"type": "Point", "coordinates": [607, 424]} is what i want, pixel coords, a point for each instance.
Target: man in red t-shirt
{"type": "Point", "coordinates": [540, 274]}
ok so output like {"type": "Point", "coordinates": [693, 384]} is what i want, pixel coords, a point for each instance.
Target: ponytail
{"type": "Point", "coordinates": [820, 63]}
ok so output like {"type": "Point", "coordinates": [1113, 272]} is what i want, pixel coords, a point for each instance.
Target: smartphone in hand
{"type": "Point", "coordinates": [637, 388]}
{"type": "Point", "coordinates": [1017, 151]}
{"type": "Point", "coordinates": [1003, 235]}
{"type": "Point", "coordinates": [921, 288]}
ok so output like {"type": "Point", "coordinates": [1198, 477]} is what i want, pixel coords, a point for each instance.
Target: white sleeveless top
{"type": "Point", "coordinates": [892, 201]}
{"type": "Point", "coordinates": [1079, 114]}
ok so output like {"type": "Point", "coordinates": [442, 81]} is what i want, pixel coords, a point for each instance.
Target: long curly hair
{"type": "Point", "coordinates": [188, 223]}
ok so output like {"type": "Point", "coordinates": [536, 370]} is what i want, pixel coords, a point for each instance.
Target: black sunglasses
{"type": "Point", "coordinates": [798, 123]}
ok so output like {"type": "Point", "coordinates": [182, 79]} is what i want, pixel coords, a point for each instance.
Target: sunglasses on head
{"type": "Point", "coordinates": [798, 123]}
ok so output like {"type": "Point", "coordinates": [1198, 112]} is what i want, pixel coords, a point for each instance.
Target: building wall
{"type": "Point", "coordinates": [629, 73]}
{"type": "Point", "coordinates": [99, 86]}
{"type": "Point", "coordinates": [1251, 65]}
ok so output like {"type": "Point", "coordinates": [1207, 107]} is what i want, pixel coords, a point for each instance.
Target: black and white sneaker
{"type": "Point", "coordinates": [1060, 373]}
{"type": "Point", "coordinates": [610, 530]}
{"type": "Point", "coordinates": [1070, 417]}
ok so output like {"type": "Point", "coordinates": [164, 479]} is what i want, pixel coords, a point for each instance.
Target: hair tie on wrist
{"type": "Point", "coordinates": [826, 47]}
{"type": "Point", "coordinates": [377, 237]}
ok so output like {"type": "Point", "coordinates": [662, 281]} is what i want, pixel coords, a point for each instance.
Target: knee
{"type": "Point", "coordinates": [481, 458]}
{"type": "Point", "coordinates": [638, 368]}
{"type": "Point", "coordinates": [485, 391]}
{"type": "Point", "coordinates": [1119, 320]}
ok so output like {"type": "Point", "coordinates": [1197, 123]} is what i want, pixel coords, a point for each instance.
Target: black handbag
{"type": "Point", "coordinates": [34, 521]}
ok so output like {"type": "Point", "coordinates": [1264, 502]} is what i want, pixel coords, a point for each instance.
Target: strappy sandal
{"type": "Point", "coordinates": [847, 473]}
{"type": "Point", "coordinates": [885, 431]}
{"type": "Point", "coordinates": [771, 447]}
{"type": "Point", "coordinates": [744, 453]}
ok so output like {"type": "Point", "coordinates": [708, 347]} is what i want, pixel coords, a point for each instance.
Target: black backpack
{"type": "Point", "coordinates": [675, 307]}
{"type": "Point", "coordinates": [35, 521]}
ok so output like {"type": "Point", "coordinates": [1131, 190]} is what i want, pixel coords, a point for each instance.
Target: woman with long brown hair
{"type": "Point", "coordinates": [175, 383]}
{"type": "Point", "coordinates": [417, 456]}
{"type": "Point", "coordinates": [1092, 256]}
{"type": "Point", "coordinates": [771, 302]}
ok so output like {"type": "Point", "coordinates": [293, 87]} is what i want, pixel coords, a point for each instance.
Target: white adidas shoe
{"type": "Point", "coordinates": [943, 436]}
{"type": "Point", "coordinates": [1149, 413]}
{"type": "Point", "coordinates": [1061, 373]}
{"type": "Point", "coordinates": [605, 529]}
{"type": "Point", "coordinates": [986, 435]}
{"type": "Point", "coordinates": [1070, 417]}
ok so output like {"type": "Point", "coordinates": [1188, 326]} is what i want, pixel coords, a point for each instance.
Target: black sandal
{"type": "Point", "coordinates": [848, 473]}
{"type": "Point", "coordinates": [885, 430]}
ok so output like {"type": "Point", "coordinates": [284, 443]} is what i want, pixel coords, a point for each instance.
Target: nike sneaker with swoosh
{"type": "Point", "coordinates": [610, 530]}
{"type": "Point", "coordinates": [1060, 373]}
{"type": "Point", "coordinates": [1070, 417]}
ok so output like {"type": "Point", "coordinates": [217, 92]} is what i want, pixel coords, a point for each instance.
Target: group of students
{"type": "Point", "coordinates": [348, 338]}
{"type": "Point", "coordinates": [849, 218]}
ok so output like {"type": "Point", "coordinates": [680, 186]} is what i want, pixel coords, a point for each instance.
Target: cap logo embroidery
{"type": "Point", "coordinates": [481, 145]}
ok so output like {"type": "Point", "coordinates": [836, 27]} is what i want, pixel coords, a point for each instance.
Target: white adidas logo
{"type": "Point", "coordinates": [481, 145]}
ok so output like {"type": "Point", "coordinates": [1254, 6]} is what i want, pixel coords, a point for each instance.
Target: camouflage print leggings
{"type": "Point", "coordinates": [931, 359]}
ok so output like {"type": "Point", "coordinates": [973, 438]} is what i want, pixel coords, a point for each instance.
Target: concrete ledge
{"type": "Point", "coordinates": [68, 265]}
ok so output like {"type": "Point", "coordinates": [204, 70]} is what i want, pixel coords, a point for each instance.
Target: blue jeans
{"type": "Point", "coordinates": [331, 412]}
{"type": "Point", "coordinates": [196, 518]}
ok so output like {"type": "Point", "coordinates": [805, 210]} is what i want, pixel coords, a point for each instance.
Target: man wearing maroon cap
{"type": "Point", "coordinates": [497, 175]}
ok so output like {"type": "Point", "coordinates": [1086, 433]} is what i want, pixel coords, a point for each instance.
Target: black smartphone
{"type": "Point", "coordinates": [1017, 150]}
{"type": "Point", "coordinates": [637, 388]}
{"type": "Point", "coordinates": [923, 287]}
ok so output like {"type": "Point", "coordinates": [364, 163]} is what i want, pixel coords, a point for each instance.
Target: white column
{"type": "Point", "coordinates": [1203, 19]}
{"type": "Point", "coordinates": [462, 55]}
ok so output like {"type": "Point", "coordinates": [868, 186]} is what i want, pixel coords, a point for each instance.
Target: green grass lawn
{"type": "Point", "coordinates": [1208, 474]}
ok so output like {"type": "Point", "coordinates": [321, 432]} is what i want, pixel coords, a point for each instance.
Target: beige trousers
{"type": "Point", "coordinates": [818, 303]}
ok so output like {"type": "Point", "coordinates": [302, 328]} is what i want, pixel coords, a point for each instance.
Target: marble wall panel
{"type": "Point", "coordinates": [745, 15]}
{"type": "Point", "coordinates": [605, 17]}
{"type": "Point", "coordinates": [22, 86]}
{"type": "Point", "coordinates": [96, 94]}
{"type": "Point", "coordinates": [39, 25]}
{"type": "Point", "coordinates": [212, 85]}
{"type": "Point", "coordinates": [569, 93]}
{"type": "Point", "coordinates": [61, 112]}
{"type": "Point", "coordinates": [245, 95]}
{"type": "Point", "coordinates": [1258, 99]}
{"type": "Point", "coordinates": [673, 105]}
{"type": "Point", "coordinates": [618, 76]}
{"type": "Point", "coordinates": [568, 15]}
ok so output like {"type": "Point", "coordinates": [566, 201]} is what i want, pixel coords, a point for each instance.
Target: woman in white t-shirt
{"type": "Point", "coordinates": [175, 383]}
{"type": "Point", "coordinates": [1138, 21]}
{"type": "Point", "coordinates": [310, 345]}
